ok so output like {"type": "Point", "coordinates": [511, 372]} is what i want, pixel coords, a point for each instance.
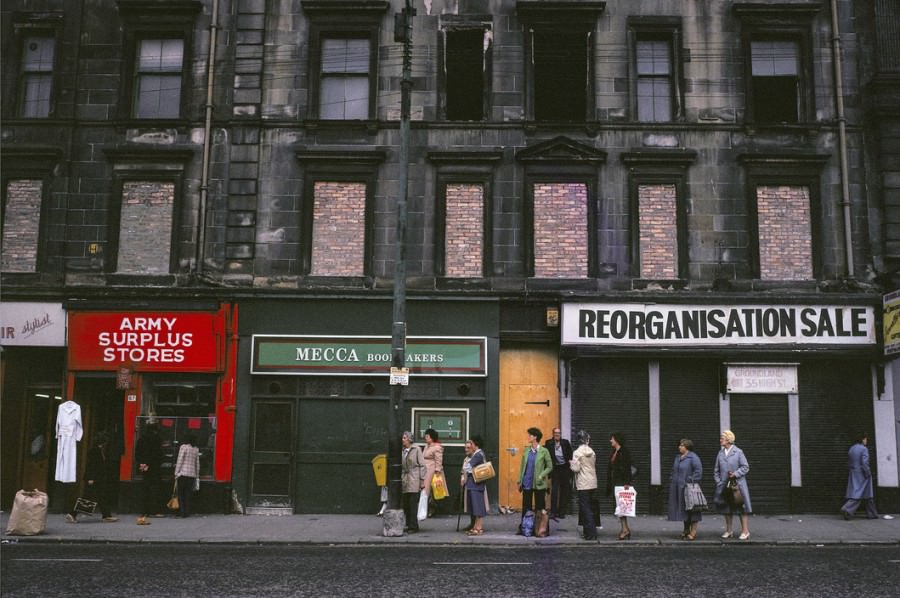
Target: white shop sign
{"type": "Point", "coordinates": [24, 324]}
{"type": "Point", "coordinates": [761, 378]}
{"type": "Point", "coordinates": [671, 325]}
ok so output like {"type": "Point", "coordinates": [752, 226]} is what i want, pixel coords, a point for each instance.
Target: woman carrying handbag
{"type": "Point", "coordinates": [687, 469]}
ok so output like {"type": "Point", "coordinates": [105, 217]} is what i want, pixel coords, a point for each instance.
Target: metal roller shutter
{"type": "Point", "coordinates": [761, 425]}
{"type": "Point", "coordinates": [611, 395]}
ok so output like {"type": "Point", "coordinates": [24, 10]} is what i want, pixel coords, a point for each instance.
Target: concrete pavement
{"type": "Point", "coordinates": [499, 530]}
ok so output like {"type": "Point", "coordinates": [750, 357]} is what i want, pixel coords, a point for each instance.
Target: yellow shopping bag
{"type": "Point", "coordinates": [439, 487]}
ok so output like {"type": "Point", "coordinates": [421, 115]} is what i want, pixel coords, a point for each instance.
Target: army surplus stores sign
{"type": "Point", "coordinates": [669, 325]}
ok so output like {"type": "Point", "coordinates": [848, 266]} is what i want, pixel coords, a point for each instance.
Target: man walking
{"type": "Point", "coordinates": [859, 480]}
{"type": "Point", "coordinates": [561, 452]}
{"type": "Point", "coordinates": [534, 475]}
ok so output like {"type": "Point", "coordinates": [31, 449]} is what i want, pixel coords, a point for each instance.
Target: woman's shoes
{"type": "Point", "coordinates": [728, 534]}
{"type": "Point", "coordinates": [475, 532]}
{"type": "Point", "coordinates": [745, 536]}
{"type": "Point", "coordinates": [142, 521]}
{"type": "Point", "coordinates": [690, 537]}
{"type": "Point", "coordinates": [625, 536]}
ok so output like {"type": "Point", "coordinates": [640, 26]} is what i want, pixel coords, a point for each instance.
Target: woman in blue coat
{"type": "Point", "coordinates": [687, 468]}
{"type": "Point", "coordinates": [732, 464]}
{"type": "Point", "coordinates": [475, 497]}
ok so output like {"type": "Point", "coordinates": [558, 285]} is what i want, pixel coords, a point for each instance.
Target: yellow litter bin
{"type": "Point", "coordinates": [379, 466]}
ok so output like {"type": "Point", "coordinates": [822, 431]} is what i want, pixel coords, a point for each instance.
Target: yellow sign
{"type": "Point", "coordinates": [891, 319]}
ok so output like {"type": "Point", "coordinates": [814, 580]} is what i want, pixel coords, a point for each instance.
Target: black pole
{"type": "Point", "coordinates": [403, 32]}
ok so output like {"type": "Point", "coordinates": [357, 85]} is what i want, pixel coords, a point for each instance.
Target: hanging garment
{"type": "Point", "coordinates": [68, 432]}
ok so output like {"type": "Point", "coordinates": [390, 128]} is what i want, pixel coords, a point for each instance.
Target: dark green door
{"type": "Point", "coordinates": [271, 453]}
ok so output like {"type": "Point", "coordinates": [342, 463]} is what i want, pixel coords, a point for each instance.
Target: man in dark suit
{"type": "Point", "coordinates": [561, 453]}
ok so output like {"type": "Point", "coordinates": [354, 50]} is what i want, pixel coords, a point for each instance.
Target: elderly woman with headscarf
{"type": "Point", "coordinates": [584, 464]}
{"type": "Point", "coordinates": [731, 464]}
{"type": "Point", "coordinates": [412, 478]}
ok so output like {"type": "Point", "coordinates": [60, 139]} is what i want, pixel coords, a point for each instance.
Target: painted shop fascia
{"type": "Point", "coordinates": [314, 382]}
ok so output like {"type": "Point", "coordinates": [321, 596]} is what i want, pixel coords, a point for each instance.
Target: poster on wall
{"type": "Point", "coordinates": [891, 320]}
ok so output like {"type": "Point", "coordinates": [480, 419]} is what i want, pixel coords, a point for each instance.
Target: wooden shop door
{"type": "Point", "coordinates": [529, 397]}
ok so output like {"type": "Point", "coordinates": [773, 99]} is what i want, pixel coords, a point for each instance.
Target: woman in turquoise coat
{"type": "Point", "coordinates": [732, 464]}
{"type": "Point", "coordinates": [687, 468]}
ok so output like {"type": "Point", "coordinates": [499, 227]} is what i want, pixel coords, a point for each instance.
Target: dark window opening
{"type": "Point", "coordinates": [465, 74]}
{"type": "Point", "coordinates": [776, 81]}
{"type": "Point", "coordinates": [560, 75]}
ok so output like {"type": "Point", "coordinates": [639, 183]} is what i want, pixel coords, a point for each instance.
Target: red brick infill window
{"type": "Point", "coordinates": [465, 230]}
{"type": "Point", "coordinates": [560, 230]}
{"type": "Point", "coordinates": [785, 243]}
{"type": "Point", "coordinates": [145, 236]}
{"type": "Point", "coordinates": [658, 231]}
{"type": "Point", "coordinates": [339, 229]}
{"type": "Point", "coordinates": [21, 225]}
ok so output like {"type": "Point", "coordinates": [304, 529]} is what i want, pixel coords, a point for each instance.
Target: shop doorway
{"type": "Point", "coordinates": [761, 426]}
{"type": "Point", "coordinates": [529, 397]}
{"type": "Point", "coordinates": [39, 417]}
{"type": "Point", "coordinates": [271, 454]}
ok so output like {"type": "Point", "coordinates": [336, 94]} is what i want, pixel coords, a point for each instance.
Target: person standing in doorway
{"type": "Point", "coordinates": [148, 454]}
{"type": "Point", "coordinates": [584, 464]}
{"type": "Point", "coordinates": [534, 475]}
{"type": "Point", "coordinates": [413, 480]}
{"type": "Point", "coordinates": [101, 474]}
{"type": "Point", "coordinates": [619, 473]}
{"type": "Point", "coordinates": [859, 480]}
{"type": "Point", "coordinates": [187, 473]}
{"type": "Point", "coordinates": [561, 476]}
{"type": "Point", "coordinates": [732, 467]}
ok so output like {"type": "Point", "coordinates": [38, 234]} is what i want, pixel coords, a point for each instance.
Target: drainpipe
{"type": "Point", "coordinates": [842, 136]}
{"type": "Point", "coordinates": [207, 142]}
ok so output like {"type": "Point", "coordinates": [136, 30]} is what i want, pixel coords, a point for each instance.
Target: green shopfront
{"type": "Point", "coordinates": [313, 391]}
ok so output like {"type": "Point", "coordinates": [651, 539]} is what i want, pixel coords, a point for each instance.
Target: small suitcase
{"type": "Point", "coordinates": [29, 513]}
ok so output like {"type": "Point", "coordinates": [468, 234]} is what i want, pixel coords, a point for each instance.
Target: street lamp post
{"type": "Point", "coordinates": [393, 516]}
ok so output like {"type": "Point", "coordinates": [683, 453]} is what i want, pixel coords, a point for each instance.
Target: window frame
{"type": "Point", "coordinates": [659, 167]}
{"type": "Point", "coordinates": [352, 166]}
{"type": "Point", "coordinates": [30, 164]}
{"type": "Point", "coordinates": [793, 170]}
{"type": "Point", "coordinates": [336, 19]}
{"type": "Point", "coordinates": [141, 165]}
{"type": "Point", "coordinates": [45, 24]}
{"type": "Point", "coordinates": [24, 75]}
{"type": "Point", "coordinates": [164, 21]}
{"type": "Point", "coordinates": [484, 24]}
{"type": "Point", "coordinates": [779, 22]}
{"type": "Point", "coordinates": [666, 29]}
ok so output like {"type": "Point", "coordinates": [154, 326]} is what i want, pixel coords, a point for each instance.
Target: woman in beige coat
{"type": "Point", "coordinates": [412, 478]}
{"type": "Point", "coordinates": [584, 464]}
{"type": "Point", "coordinates": [434, 463]}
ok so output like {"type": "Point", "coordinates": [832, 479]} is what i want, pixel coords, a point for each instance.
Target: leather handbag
{"type": "Point", "coordinates": [483, 472]}
{"type": "Point", "coordinates": [694, 500]}
{"type": "Point", "coordinates": [733, 495]}
{"type": "Point", "coordinates": [173, 502]}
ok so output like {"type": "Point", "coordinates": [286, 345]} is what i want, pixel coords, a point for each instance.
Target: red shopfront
{"type": "Point", "coordinates": [175, 368]}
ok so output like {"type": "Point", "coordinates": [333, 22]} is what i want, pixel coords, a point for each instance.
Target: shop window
{"type": "Point", "coordinates": [776, 41]}
{"type": "Point", "coordinates": [466, 84]}
{"type": "Point", "coordinates": [343, 42]}
{"type": "Point", "coordinates": [180, 408]}
{"type": "Point", "coordinates": [158, 78]}
{"type": "Point", "coordinates": [22, 201]}
{"type": "Point", "coordinates": [36, 79]}
{"type": "Point", "coordinates": [145, 227]}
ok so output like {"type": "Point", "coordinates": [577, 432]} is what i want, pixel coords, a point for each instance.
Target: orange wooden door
{"type": "Point", "coordinates": [529, 396]}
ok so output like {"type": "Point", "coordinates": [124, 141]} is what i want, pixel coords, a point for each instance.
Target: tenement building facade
{"type": "Point", "coordinates": [659, 218]}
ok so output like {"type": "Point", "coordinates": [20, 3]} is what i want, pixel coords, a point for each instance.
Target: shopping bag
{"type": "Point", "coordinates": [528, 524]}
{"type": "Point", "coordinates": [439, 487]}
{"type": "Point", "coordinates": [694, 500]}
{"type": "Point", "coordinates": [86, 506]}
{"type": "Point", "coordinates": [29, 513]}
{"type": "Point", "coordinates": [422, 513]}
{"type": "Point", "coordinates": [542, 524]}
{"type": "Point", "coordinates": [626, 501]}
{"type": "Point", "coordinates": [173, 502]}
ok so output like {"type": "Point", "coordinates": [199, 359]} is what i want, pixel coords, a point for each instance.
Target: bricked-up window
{"type": "Point", "coordinates": [560, 230]}
{"type": "Point", "coordinates": [784, 230]}
{"type": "Point", "coordinates": [145, 234]}
{"type": "Point", "coordinates": [36, 82]}
{"type": "Point", "coordinates": [775, 68]}
{"type": "Point", "coordinates": [158, 76]}
{"type": "Point", "coordinates": [466, 62]}
{"type": "Point", "coordinates": [464, 237]}
{"type": "Point", "coordinates": [658, 230]}
{"type": "Point", "coordinates": [344, 78]}
{"type": "Point", "coordinates": [339, 233]}
{"type": "Point", "coordinates": [21, 225]}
